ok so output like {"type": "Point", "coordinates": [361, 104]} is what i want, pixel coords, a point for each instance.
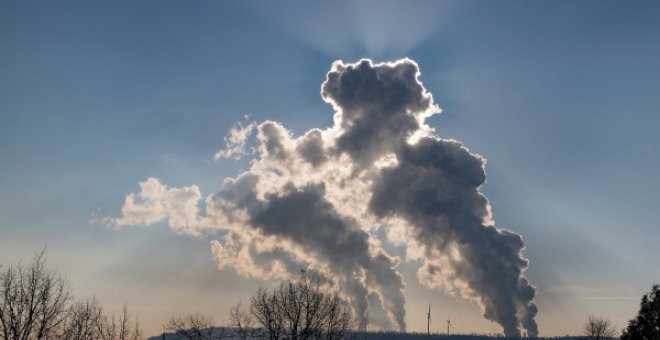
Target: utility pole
{"type": "Point", "coordinates": [428, 321]}
{"type": "Point", "coordinates": [448, 324]}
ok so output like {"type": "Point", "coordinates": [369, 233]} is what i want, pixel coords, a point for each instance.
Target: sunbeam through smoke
{"type": "Point", "coordinates": [317, 201]}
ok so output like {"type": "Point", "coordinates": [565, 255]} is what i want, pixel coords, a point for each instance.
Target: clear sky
{"type": "Point", "coordinates": [560, 97]}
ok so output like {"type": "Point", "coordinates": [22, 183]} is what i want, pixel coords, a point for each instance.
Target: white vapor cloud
{"type": "Point", "coordinates": [235, 142]}
{"type": "Point", "coordinates": [317, 200]}
{"type": "Point", "coordinates": [157, 202]}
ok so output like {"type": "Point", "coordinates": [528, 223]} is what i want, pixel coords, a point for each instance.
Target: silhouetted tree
{"type": "Point", "coordinates": [123, 328]}
{"type": "Point", "coordinates": [300, 310]}
{"type": "Point", "coordinates": [83, 320]}
{"type": "Point", "coordinates": [33, 301]}
{"type": "Point", "coordinates": [196, 326]}
{"type": "Point", "coordinates": [646, 326]}
{"type": "Point", "coordinates": [597, 328]}
{"type": "Point", "coordinates": [243, 322]}
{"type": "Point", "coordinates": [263, 306]}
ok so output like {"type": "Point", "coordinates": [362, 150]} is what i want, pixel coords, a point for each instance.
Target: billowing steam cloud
{"type": "Point", "coordinates": [317, 200]}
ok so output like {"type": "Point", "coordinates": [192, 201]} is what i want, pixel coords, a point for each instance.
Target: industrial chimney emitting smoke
{"type": "Point", "coordinates": [428, 321]}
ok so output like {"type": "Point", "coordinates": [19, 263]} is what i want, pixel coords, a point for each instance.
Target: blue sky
{"type": "Point", "coordinates": [560, 97]}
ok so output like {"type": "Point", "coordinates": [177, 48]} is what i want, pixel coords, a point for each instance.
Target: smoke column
{"type": "Point", "coordinates": [317, 201]}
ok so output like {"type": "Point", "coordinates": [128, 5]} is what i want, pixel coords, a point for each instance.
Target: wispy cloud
{"type": "Point", "coordinates": [235, 142]}
{"type": "Point", "coordinates": [156, 202]}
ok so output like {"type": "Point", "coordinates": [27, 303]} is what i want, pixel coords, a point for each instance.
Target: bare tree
{"type": "Point", "coordinates": [86, 321]}
{"type": "Point", "coordinates": [83, 320]}
{"type": "Point", "coordinates": [195, 326]}
{"type": "Point", "coordinates": [263, 306]}
{"type": "Point", "coordinates": [338, 321]}
{"type": "Point", "coordinates": [121, 328]}
{"type": "Point", "coordinates": [242, 322]}
{"type": "Point", "coordinates": [597, 328]}
{"type": "Point", "coordinates": [33, 301]}
{"type": "Point", "coordinates": [300, 310]}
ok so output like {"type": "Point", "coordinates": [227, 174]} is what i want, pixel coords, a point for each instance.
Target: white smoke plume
{"type": "Point", "coordinates": [316, 201]}
{"type": "Point", "coordinates": [235, 142]}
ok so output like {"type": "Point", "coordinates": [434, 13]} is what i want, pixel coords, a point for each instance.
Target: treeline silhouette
{"type": "Point", "coordinates": [295, 310]}
{"type": "Point", "coordinates": [36, 303]}
{"type": "Point", "coordinates": [376, 335]}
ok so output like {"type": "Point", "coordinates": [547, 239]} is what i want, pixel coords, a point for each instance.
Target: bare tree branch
{"type": "Point", "coordinates": [298, 311]}
{"type": "Point", "coordinates": [597, 328]}
{"type": "Point", "coordinates": [33, 300]}
{"type": "Point", "coordinates": [195, 326]}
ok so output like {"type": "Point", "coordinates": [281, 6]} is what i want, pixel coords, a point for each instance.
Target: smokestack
{"type": "Point", "coordinates": [428, 321]}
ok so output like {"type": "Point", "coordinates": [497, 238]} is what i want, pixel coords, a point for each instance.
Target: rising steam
{"type": "Point", "coordinates": [317, 201]}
